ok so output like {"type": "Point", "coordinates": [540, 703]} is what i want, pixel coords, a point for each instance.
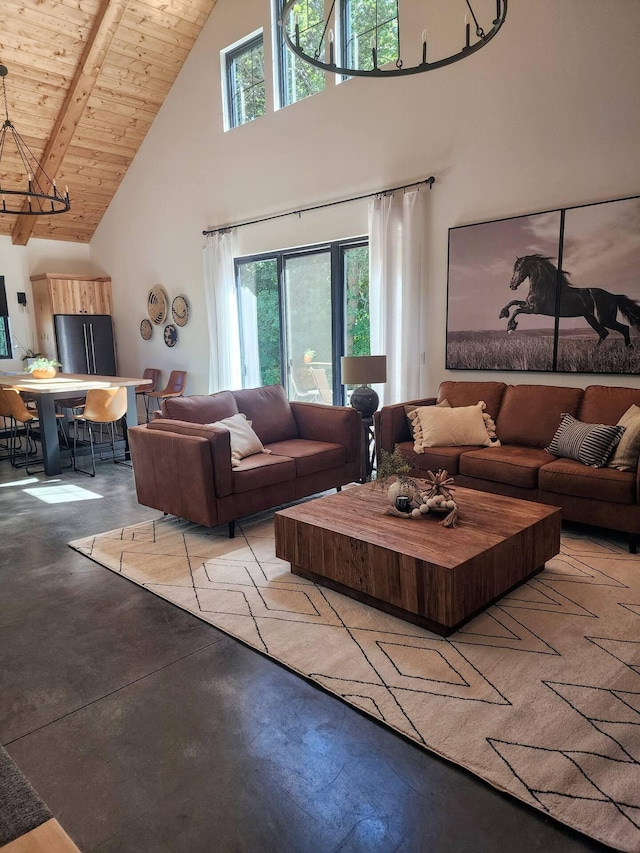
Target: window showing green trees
{"type": "Point", "coordinates": [245, 82]}
{"type": "Point", "coordinates": [259, 304]}
{"type": "Point", "coordinates": [299, 79]}
{"type": "Point", "coordinates": [5, 349]}
{"type": "Point", "coordinates": [5, 337]}
{"type": "Point", "coordinates": [357, 323]}
{"type": "Point", "coordinates": [299, 312]}
{"type": "Point", "coordinates": [370, 25]}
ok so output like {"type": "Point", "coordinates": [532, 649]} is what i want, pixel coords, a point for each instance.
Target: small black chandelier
{"type": "Point", "coordinates": [371, 59]}
{"type": "Point", "coordinates": [39, 197]}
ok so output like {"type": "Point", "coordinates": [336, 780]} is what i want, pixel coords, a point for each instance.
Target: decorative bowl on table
{"type": "Point", "coordinates": [43, 368]}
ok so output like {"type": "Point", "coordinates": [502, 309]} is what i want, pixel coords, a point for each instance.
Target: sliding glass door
{"type": "Point", "coordinates": [308, 326]}
{"type": "Point", "coordinates": [258, 304]}
{"type": "Point", "coordinates": [299, 312]}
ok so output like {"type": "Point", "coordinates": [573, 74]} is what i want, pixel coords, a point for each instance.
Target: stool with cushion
{"type": "Point", "coordinates": [18, 413]}
{"type": "Point", "coordinates": [174, 388]}
{"type": "Point", "coordinates": [5, 414]}
{"type": "Point", "coordinates": [104, 406]}
{"type": "Point", "coordinates": [153, 374]}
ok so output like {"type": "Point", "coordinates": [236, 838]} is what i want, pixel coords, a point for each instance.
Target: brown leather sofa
{"type": "Point", "coordinates": [526, 419]}
{"type": "Point", "coordinates": [182, 464]}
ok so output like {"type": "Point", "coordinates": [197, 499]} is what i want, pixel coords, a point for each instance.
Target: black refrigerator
{"type": "Point", "coordinates": [85, 343]}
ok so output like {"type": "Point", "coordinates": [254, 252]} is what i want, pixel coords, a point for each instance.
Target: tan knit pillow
{"type": "Point", "coordinates": [414, 422]}
{"type": "Point", "coordinates": [416, 426]}
{"type": "Point", "coordinates": [452, 427]}
{"type": "Point", "coordinates": [491, 428]}
{"type": "Point", "coordinates": [625, 456]}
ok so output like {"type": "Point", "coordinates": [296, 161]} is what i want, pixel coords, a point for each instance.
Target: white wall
{"type": "Point", "coordinates": [17, 264]}
{"type": "Point", "coordinates": [547, 115]}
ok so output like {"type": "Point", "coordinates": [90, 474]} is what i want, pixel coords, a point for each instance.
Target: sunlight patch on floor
{"type": "Point", "coordinates": [19, 482]}
{"type": "Point", "coordinates": [62, 494]}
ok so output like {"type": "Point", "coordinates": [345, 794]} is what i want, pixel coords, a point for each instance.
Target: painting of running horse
{"type": "Point", "coordinates": [557, 291]}
{"type": "Point", "coordinates": [598, 307]}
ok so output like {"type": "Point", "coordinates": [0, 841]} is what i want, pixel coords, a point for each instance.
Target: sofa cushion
{"type": "Point", "coordinates": [625, 456]}
{"type": "Point", "coordinates": [256, 472]}
{"type": "Point", "coordinates": [469, 393]}
{"type": "Point", "coordinates": [449, 427]}
{"type": "Point", "coordinates": [435, 458]}
{"type": "Point", "coordinates": [243, 440]}
{"type": "Point", "coordinates": [567, 477]}
{"type": "Point", "coordinates": [530, 414]}
{"type": "Point", "coordinates": [310, 456]}
{"type": "Point", "coordinates": [201, 409]}
{"type": "Point", "coordinates": [269, 411]}
{"type": "Point", "coordinates": [517, 466]}
{"type": "Point", "coordinates": [591, 444]}
{"type": "Point", "coordinates": [603, 404]}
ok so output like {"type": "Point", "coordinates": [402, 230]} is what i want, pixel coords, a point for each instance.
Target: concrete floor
{"type": "Point", "coordinates": [144, 729]}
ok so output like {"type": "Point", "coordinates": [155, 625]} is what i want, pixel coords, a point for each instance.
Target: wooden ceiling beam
{"type": "Point", "coordinates": [93, 57]}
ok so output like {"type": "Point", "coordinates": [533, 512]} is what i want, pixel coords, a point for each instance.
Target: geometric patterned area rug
{"type": "Point", "coordinates": [539, 695]}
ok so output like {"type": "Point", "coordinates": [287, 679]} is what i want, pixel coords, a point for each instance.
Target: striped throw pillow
{"type": "Point", "coordinates": [591, 444]}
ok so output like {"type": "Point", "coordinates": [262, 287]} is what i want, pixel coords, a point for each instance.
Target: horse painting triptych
{"type": "Point", "coordinates": [580, 314]}
{"type": "Point", "coordinates": [550, 293]}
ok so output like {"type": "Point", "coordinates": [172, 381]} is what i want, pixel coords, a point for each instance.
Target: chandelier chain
{"type": "Point", "coordinates": [4, 92]}
{"type": "Point", "coordinates": [39, 197]}
{"type": "Point", "coordinates": [479, 30]}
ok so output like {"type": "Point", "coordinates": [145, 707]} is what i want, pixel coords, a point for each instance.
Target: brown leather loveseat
{"type": "Point", "coordinates": [526, 419]}
{"type": "Point", "coordinates": [182, 461]}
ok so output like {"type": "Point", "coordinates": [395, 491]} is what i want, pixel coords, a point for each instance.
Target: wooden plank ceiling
{"type": "Point", "coordinates": [86, 79]}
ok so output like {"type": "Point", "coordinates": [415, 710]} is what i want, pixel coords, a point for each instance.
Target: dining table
{"type": "Point", "coordinates": [62, 386]}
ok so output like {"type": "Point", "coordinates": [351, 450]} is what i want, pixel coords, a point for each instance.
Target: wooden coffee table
{"type": "Point", "coordinates": [434, 576]}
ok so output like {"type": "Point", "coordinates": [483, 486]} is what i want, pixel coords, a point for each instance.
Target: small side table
{"type": "Point", "coordinates": [368, 450]}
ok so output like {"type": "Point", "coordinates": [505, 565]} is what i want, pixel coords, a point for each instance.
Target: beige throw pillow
{"type": "Point", "coordinates": [416, 426]}
{"type": "Point", "coordinates": [244, 442]}
{"type": "Point", "coordinates": [453, 427]}
{"type": "Point", "coordinates": [625, 457]}
{"type": "Point", "coordinates": [414, 422]}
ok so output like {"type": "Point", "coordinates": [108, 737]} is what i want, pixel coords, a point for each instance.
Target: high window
{"type": "Point", "coordinates": [245, 81]}
{"type": "Point", "coordinates": [299, 312]}
{"type": "Point", "coordinates": [368, 26]}
{"type": "Point", "coordinates": [5, 336]}
{"type": "Point", "coordinates": [298, 79]}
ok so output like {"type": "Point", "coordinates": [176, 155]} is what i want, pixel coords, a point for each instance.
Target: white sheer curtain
{"type": "Point", "coordinates": [397, 232]}
{"type": "Point", "coordinates": [248, 303]}
{"type": "Point", "coordinates": [222, 313]}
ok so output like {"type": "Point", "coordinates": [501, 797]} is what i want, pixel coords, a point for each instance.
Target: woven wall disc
{"type": "Point", "coordinates": [157, 305]}
{"type": "Point", "coordinates": [180, 310]}
{"type": "Point", "coordinates": [170, 335]}
{"type": "Point", "coordinates": [146, 330]}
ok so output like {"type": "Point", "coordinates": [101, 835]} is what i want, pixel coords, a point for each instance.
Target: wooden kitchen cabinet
{"type": "Point", "coordinates": [55, 293]}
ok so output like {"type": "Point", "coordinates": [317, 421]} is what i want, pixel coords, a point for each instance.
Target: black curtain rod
{"type": "Point", "coordinates": [431, 181]}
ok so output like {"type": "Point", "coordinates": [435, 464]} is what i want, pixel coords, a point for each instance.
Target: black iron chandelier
{"type": "Point", "coordinates": [39, 195]}
{"type": "Point", "coordinates": [362, 54]}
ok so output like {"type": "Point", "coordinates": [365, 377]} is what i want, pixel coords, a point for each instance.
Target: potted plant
{"type": "Point", "coordinates": [309, 355]}
{"type": "Point", "coordinates": [43, 368]}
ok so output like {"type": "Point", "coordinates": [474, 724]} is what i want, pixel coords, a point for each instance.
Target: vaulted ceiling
{"type": "Point", "coordinates": [86, 79]}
